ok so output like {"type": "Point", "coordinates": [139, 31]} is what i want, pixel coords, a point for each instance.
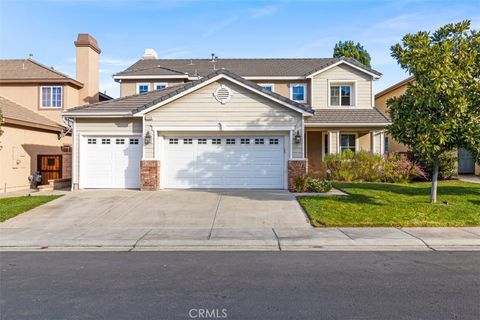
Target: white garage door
{"type": "Point", "coordinates": [110, 162]}
{"type": "Point", "coordinates": [224, 162]}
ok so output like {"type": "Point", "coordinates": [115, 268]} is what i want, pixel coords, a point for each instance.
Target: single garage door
{"type": "Point", "coordinates": [224, 162]}
{"type": "Point", "coordinates": [110, 162]}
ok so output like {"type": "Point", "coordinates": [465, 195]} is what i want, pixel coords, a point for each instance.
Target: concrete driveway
{"type": "Point", "coordinates": [127, 218]}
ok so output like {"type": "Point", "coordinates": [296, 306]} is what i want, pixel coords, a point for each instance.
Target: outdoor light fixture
{"type": "Point", "coordinates": [148, 138]}
{"type": "Point", "coordinates": [298, 137]}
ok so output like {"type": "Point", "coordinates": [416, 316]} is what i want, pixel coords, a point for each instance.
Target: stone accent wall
{"type": "Point", "coordinates": [149, 175]}
{"type": "Point", "coordinates": [296, 168]}
{"type": "Point", "coordinates": [66, 165]}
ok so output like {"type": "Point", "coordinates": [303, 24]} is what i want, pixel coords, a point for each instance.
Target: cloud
{"type": "Point", "coordinates": [315, 44]}
{"type": "Point", "coordinates": [220, 26]}
{"type": "Point", "coordinates": [261, 12]}
{"type": "Point", "coordinates": [174, 53]}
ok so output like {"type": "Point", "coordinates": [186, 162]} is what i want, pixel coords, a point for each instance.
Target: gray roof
{"type": "Point", "coordinates": [136, 103]}
{"type": "Point", "coordinates": [242, 67]}
{"type": "Point", "coordinates": [346, 116]}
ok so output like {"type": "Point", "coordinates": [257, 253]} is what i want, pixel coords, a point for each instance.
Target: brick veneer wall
{"type": "Point", "coordinates": [149, 175]}
{"type": "Point", "coordinates": [296, 168]}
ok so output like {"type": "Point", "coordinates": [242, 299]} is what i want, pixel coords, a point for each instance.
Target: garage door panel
{"type": "Point", "coordinates": [234, 165]}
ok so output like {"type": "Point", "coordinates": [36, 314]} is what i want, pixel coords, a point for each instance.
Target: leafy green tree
{"type": "Point", "coordinates": [440, 111]}
{"type": "Point", "coordinates": [351, 50]}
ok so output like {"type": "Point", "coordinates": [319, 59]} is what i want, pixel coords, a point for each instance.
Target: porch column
{"type": "Point", "coordinates": [333, 142]}
{"type": "Point", "coordinates": [378, 142]}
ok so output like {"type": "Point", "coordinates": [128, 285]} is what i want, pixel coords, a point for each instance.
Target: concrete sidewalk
{"type": "Point", "coordinates": [226, 239]}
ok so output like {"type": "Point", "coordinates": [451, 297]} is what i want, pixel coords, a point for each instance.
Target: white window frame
{"type": "Point", "coordinates": [51, 97]}
{"type": "Point", "coordinates": [143, 84]}
{"type": "Point", "coordinates": [304, 85]}
{"type": "Point", "coordinates": [353, 92]}
{"type": "Point", "coordinates": [263, 85]}
{"type": "Point", "coordinates": [357, 142]}
{"type": "Point", "coordinates": [160, 83]}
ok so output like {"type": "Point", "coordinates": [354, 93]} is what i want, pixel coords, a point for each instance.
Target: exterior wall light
{"type": "Point", "coordinates": [148, 138]}
{"type": "Point", "coordinates": [298, 137]}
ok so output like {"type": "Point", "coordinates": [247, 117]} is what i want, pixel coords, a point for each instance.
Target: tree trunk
{"type": "Point", "coordinates": [436, 168]}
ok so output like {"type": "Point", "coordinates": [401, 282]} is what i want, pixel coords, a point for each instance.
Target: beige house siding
{"type": "Point", "coordinates": [362, 88]}
{"type": "Point", "coordinates": [18, 156]}
{"type": "Point", "coordinates": [245, 109]}
{"type": "Point", "coordinates": [129, 87]}
{"type": "Point", "coordinates": [28, 95]}
{"type": "Point", "coordinates": [102, 127]}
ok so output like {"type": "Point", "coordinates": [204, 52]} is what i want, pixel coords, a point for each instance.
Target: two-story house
{"type": "Point", "coordinates": [32, 98]}
{"type": "Point", "coordinates": [225, 123]}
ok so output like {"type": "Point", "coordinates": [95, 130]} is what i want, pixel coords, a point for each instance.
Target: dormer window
{"type": "Point", "coordinates": [143, 87]}
{"type": "Point", "coordinates": [266, 86]}
{"type": "Point", "coordinates": [341, 95]}
{"type": "Point", "coordinates": [51, 97]}
{"type": "Point", "coordinates": [298, 92]}
{"type": "Point", "coordinates": [160, 86]}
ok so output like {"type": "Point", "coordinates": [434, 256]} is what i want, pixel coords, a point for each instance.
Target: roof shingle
{"type": "Point", "coordinates": [348, 116]}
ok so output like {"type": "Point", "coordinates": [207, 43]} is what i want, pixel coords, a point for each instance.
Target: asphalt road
{"type": "Point", "coordinates": [240, 285]}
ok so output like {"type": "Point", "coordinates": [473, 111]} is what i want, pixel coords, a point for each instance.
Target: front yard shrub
{"type": "Point", "coordinates": [364, 166]}
{"type": "Point", "coordinates": [301, 184]}
{"type": "Point", "coordinates": [318, 185]}
{"type": "Point", "coordinates": [448, 165]}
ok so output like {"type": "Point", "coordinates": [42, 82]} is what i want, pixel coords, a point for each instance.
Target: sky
{"type": "Point", "coordinates": [230, 29]}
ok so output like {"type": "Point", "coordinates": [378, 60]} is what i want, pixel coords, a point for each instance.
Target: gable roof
{"type": "Point", "coordinates": [248, 68]}
{"type": "Point", "coordinates": [140, 103]}
{"type": "Point", "coordinates": [395, 86]}
{"type": "Point", "coordinates": [29, 70]}
{"type": "Point", "coordinates": [16, 114]}
{"type": "Point", "coordinates": [353, 117]}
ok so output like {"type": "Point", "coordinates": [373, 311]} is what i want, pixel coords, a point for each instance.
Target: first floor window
{"type": "Point", "coordinates": [51, 97]}
{"type": "Point", "coordinates": [385, 145]}
{"type": "Point", "coordinates": [340, 95]}
{"type": "Point", "coordinates": [142, 87]}
{"type": "Point", "coordinates": [297, 92]}
{"type": "Point", "coordinates": [347, 142]}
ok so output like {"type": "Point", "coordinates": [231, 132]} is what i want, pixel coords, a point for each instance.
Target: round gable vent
{"type": "Point", "coordinates": [223, 94]}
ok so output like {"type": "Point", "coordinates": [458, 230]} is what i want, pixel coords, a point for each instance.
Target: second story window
{"type": "Point", "coordinates": [341, 95]}
{"type": "Point", "coordinates": [142, 87]}
{"type": "Point", "coordinates": [298, 92]}
{"type": "Point", "coordinates": [266, 86]}
{"type": "Point", "coordinates": [160, 86]}
{"type": "Point", "coordinates": [51, 97]}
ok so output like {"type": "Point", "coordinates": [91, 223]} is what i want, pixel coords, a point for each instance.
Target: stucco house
{"type": "Point", "coordinates": [224, 123]}
{"type": "Point", "coordinates": [466, 162]}
{"type": "Point", "coordinates": [32, 97]}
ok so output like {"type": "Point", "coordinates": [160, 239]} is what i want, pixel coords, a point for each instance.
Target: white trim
{"type": "Point", "coordinates": [290, 137]}
{"type": "Point", "coordinates": [353, 91]}
{"type": "Point", "coordinates": [162, 83]}
{"type": "Point", "coordinates": [346, 124]}
{"type": "Point", "coordinates": [227, 129]}
{"type": "Point", "coordinates": [347, 63]}
{"type": "Point", "coordinates": [180, 76]}
{"type": "Point", "coordinates": [40, 104]}
{"type": "Point", "coordinates": [303, 142]}
{"type": "Point", "coordinates": [263, 85]}
{"type": "Point", "coordinates": [373, 141]}
{"type": "Point", "coordinates": [216, 78]}
{"type": "Point", "coordinates": [304, 85]}
{"type": "Point", "coordinates": [74, 156]}
{"type": "Point", "coordinates": [110, 134]}
{"type": "Point", "coordinates": [138, 84]}
{"type": "Point", "coordinates": [143, 137]}
{"type": "Point", "coordinates": [274, 77]}
{"type": "Point", "coordinates": [382, 143]}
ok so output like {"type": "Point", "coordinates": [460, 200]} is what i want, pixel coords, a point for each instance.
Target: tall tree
{"type": "Point", "coordinates": [440, 111]}
{"type": "Point", "coordinates": [351, 50]}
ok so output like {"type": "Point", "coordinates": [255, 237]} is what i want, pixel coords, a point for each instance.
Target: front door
{"type": "Point", "coordinates": [50, 167]}
{"type": "Point", "coordinates": [466, 163]}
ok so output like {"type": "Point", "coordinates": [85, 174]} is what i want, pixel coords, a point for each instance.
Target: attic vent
{"type": "Point", "coordinates": [223, 94]}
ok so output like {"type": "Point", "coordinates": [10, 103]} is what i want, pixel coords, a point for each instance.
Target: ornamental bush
{"type": "Point", "coordinates": [311, 184]}
{"type": "Point", "coordinates": [448, 165]}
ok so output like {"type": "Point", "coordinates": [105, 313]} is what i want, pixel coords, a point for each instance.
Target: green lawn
{"type": "Point", "coordinates": [10, 207]}
{"type": "Point", "coordinates": [396, 205]}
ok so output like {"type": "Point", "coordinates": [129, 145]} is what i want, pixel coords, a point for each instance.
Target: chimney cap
{"type": "Point", "coordinates": [150, 54]}
{"type": "Point", "coordinates": [86, 40]}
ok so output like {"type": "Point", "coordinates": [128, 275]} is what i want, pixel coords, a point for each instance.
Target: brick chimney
{"type": "Point", "coordinates": [88, 54]}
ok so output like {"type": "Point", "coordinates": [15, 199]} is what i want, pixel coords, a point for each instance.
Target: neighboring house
{"type": "Point", "coordinates": [32, 98]}
{"type": "Point", "coordinates": [466, 163]}
{"type": "Point", "coordinates": [225, 123]}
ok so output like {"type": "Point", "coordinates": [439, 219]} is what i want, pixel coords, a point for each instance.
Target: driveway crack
{"type": "Point", "coordinates": [138, 240]}
{"type": "Point", "coordinates": [214, 217]}
{"type": "Point", "coordinates": [277, 238]}
{"type": "Point", "coordinates": [412, 235]}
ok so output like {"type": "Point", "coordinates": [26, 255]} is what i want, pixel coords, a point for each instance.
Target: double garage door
{"type": "Point", "coordinates": [110, 162]}
{"type": "Point", "coordinates": [223, 162]}
{"type": "Point", "coordinates": [187, 162]}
